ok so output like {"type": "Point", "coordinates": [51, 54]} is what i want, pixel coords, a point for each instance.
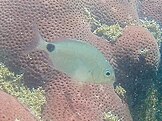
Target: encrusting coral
{"type": "Point", "coordinates": [150, 9]}
{"type": "Point", "coordinates": [111, 12]}
{"type": "Point", "coordinates": [63, 22]}
{"type": "Point", "coordinates": [58, 20]}
{"type": "Point", "coordinates": [68, 100]}
{"type": "Point", "coordinates": [11, 84]}
{"type": "Point", "coordinates": [136, 50]}
{"type": "Point", "coordinates": [154, 28]}
{"type": "Point", "coordinates": [12, 110]}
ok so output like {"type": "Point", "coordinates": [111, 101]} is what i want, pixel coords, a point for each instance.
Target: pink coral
{"type": "Point", "coordinates": [150, 9]}
{"type": "Point", "coordinates": [55, 19]}
{"type": "Point", "coordinates": [68, 100]}
{"type": "Point", "coordinates": [135, 51]}
{"type": "Point", "coordinates": [11, 109]}
{"type": "Point", "coordinates": [66, 19]}
{"type": "Point", "coordinates": [111, 12]}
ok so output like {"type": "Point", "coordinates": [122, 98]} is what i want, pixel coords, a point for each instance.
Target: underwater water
{"type": "Point", "coordinates": [80, 60]}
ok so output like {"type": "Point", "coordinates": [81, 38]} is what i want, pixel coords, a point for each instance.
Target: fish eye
{"type": "Point", "coordinates": [50, 47]}
{"type": "Point", "coordinates": [107, 73]}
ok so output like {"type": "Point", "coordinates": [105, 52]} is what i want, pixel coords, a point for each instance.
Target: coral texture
{"type": "Point", "coordinates": [55, 20]}
{"type": "Point", "coordinates": [113, 11]}
{"type": "Point", "coordinates": [150, 9]}
{"type": "Point", "coordinates": [12, 110]}
{"type": "Point", "coordinates": [61, 19]}
{"type": "Point", "coordinates": [11, 84]}
{"type": "Point", "coordinates": [136, 51]}
{"type": "Point", "coordinates": [67, 100]}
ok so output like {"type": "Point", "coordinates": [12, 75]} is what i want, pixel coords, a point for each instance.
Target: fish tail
{"type": "Point", "coordinates": [40, 42]}
{"type": "Point", "coordinates": [36, 42]}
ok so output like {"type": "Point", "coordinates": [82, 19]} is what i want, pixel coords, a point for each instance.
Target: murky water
{"type": "Point", "coordinates": [80, 60]}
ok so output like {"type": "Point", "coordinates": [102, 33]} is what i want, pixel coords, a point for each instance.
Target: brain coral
{"type": "Point", "coordinates": [113, 11]}
{"type": "Point", "coordinates": [70, 101]}
{"type": "Point", "coordinates": [12, 110]}
{"type": "Point", "coordinates": [150, 9]}
{"type": "Point", "coordinates": [136, 50]}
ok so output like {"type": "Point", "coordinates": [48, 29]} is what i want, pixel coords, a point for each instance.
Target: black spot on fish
{"type": "Point", "coordinates": [107, 73]}
{"type": "Point", "coordinates": [50, 47]}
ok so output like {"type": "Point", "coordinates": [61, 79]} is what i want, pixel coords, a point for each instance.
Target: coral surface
{"type": "Point", "coordinates": [150, 9]}
{"type": "Point", "coordinates": [111, 12]}
{"type": "Point", "coordinates": [133, 52]}
{"type": "Point", "coordinates": [71, 101]}
{"type": "Point", "coordinates": [12, 110]}
{"type": "Point", "coordinates": [12, 84]}
{"type": "Point", "coordinates": [63, 22]}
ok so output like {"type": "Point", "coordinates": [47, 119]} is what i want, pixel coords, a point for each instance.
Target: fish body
{"type": "Point", "coordinates": [79, 60]}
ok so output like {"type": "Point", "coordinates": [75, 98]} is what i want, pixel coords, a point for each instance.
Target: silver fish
{"type": "Point", "coordinates": [79, 60]}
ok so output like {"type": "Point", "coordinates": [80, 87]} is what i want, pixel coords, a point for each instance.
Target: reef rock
{"type": "Point", "coordinates": [12, 110]}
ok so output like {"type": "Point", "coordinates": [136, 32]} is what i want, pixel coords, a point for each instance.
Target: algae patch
{"type": "Point", "coordinates": [110, 117]}
{"type": "Point", "coordinates": [110, 33]}
{"type": "Point", "coordinates": [154, 28]}
{"type": "Point", "coordinates": [11, 83]}
{"type": "Point", "coordinates": [120, 91]}
{"type": "Point", "coordinates": [151, 103]}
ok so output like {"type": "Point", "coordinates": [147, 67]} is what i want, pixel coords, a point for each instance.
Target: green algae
{"type": "Point", "coordinates": [151, 107]}
{"type": "Point", "coordinates": [110, 117]}
{"type": "Point", "coordinates": [147, 103]}
{"type": "Point", "coordinates": [120, 91]}
{"type": "Point", "coordinates": [147, 110]}
{"type": "Point", "coordinates": [143, 100]}
{"type": "Point", "coordinates": [151, 104]}
{"type": "Point", "coordinates": [110, 33]}
{"type": "Point", "coordinates": [11, 83]}
{"type": "Point", "coordinates": [91, 18]}
{"type": "Point", "coordinates": [159, 87]}
{"type": "Point", "coordinates": [154, 28]}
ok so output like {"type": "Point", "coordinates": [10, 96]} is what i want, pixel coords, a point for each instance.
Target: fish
{"type": "Point", "coordinates": [80, 60]}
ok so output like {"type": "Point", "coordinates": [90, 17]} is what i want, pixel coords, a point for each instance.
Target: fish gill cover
{"type": "Point", "coordinates": [134, 55]}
